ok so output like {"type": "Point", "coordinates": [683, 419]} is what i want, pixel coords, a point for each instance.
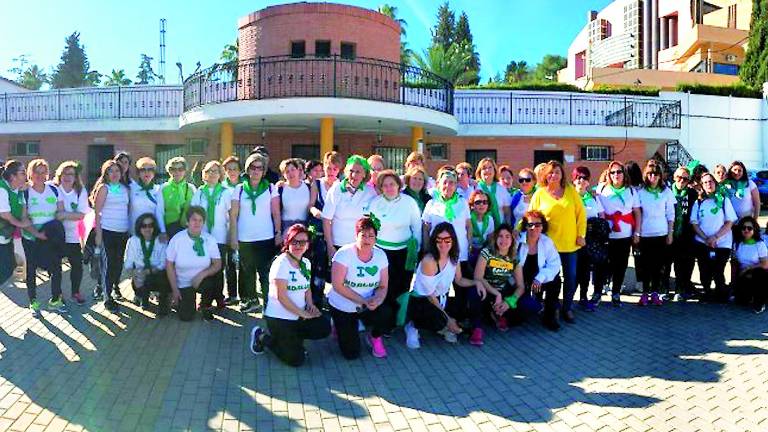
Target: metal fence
{"type": "Point", "coordinates": [332, 76]}
{"type": "Point", "coordinates": [92, 103]}
{"type": "Point", "coordinates": [565, 109]}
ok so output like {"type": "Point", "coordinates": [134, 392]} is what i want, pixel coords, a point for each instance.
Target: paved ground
{"type": "Point", "coordinates": [678, 367]}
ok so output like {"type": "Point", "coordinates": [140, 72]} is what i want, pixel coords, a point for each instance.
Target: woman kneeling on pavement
{"type": "Point", "coordinates": [751, 260]}
{"type": "Point", "coordinates": [360, 278]}
{"type": "Point", "coordinates": [428, 306]}
{"type": "Point", "coordinates": [145, 257]}
{"type": "Point", "coordinates": [291, 315]}
{"type": "Point", "coordinates": [193, 261]}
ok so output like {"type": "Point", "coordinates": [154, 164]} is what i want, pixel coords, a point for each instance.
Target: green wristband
{"type": "Point", "coordinates": [511, 301]}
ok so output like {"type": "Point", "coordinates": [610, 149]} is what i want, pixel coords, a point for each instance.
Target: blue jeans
{"type": "Point", "coordinates": [569, 261]}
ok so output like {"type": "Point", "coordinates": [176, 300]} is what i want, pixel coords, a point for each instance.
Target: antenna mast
{"type": "Point", "coordinates": [162, 51]}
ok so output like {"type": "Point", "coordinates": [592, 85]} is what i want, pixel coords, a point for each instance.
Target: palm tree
{"type": "Point", "coordinates": [229, 58]}
{"type": "Point", "coordinates": [117, 78]}
{"type": "Point", "coordinates": [450, 64]}
{"type": "Point", "coordinates": [405, 53]}
{"type": "Point", "coordinates": [517, 71]}
{"type": "Point", "coordinates": [33, 78]}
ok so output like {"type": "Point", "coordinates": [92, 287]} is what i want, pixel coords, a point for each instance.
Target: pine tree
{"type": "Point", "coordinates": [146, 75]}
{"type": "Point", "coordinates": [754, 70]}
{"type": "Point", "coordinates": [443, 33]}
{"type": "Point", "coordinates": [463, 35]}
{"type": "Point", "coordinates": [73, 70]}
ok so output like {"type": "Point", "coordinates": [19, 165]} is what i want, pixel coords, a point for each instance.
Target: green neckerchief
{"type": "Point", "coordinates": [416, 196]}
{"type": "Point", "coordinates": [586, 198]}
{"type": "Point", "coordinates": [512, 190]}
{"type": "Point", "coordinates": [146, 251]}
{"type": "Point", "coordinates": [253, 194]}
{"type": "Point", "coordinates": [680, 194]}
{"type": "Point", "coordinates": [749, 241]}
{"type": "Point", "coordinates": [302, 266]}
{"type": "Point", "coordinates": [198, 244]}
{"type": "Point", "coordinates": [229, 184]}
{"type": "Point", "coordinates": [15, 199]}
{"type": "Point", "coordinates": [147, 188]}
{"type": "Point", "coordinates": [211, 199]}
{"type": "Point", "coordinates": [739, 187]}
{"type": "Point", "coordinates": [114, 188]}
{"type": "Point", "coordinates": [176, 201]}
{"type": "Point", "coordinates": [533, 190]}
{"type": "Point", "coordinates": [478, 231]}
{"type": "Point", "coordinates": [719, 200]}
{"type": "Point", "coordinates": [618, 192]}
{"type": "Point", "coordinates": [450, 212]}
{"type": "Point", "coordinates": [654, 191]}
{"type": "Point", "coordinates": [490, 191]}
{"type": "Point", "coordinates": [345, 186]}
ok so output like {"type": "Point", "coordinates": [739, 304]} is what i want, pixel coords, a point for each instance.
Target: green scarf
{"type": "Point", "coordinates": [114, 188]}
{"type": "Point", "coordinates": [211, 198]}
{"type": "Point", "coordinates": [147, 188]}
{"type": "Point", "coordinates": [450, 212]}
{"type": "Point", "coordinates": [302, 266]}
{"type": "Point", "coordinates": [176, 201]}
{"type": "Point", "coordinates": [229, 184]}
{"type": "Point", "coordinates": [198, 244]}
{"type": "Point", "coordinates": [478, 231]}
{"type": "Point", "coordinates": [416, 196]}
{"type": "Point", "coordinates": [654, 191]}
{"type": "Point", "coordinates": [738, 187]}
{"type": "Point", "coordinates": [345, 186]}
{"type": "Point", "coordinates": [680, 194]}
{"type": "Point", "coordinates": [718, 198]}
{"type": "Point", "coordinates": [253, 194]}
{"type": "Point", "coordinates": [617, 192]}
{"type": "Point", "coordinates": [749, 241]}
{"type": "Point", "coordinates": [146, 251]}
{"type": "Point", "coordinates": [15, 199]}
{"type": "Point", "coordinates": [512, 190]}
{"type": "Point", "coordinates": [586, 198]}
{"type": "Point", "coordinates": [490, 191]}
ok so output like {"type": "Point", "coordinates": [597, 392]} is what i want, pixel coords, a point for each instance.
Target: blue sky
{"type": "Point", "coordinates": [116, 33]}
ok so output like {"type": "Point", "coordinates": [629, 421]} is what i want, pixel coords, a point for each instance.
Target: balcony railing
{"type": "Point", "coordinates": [482, 107]}
{"type": "Point", "coordinates": [332, 76]}
{"type": "Point", "coordinates": [92, 103]}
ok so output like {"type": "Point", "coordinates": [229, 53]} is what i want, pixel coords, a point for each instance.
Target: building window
{"type": "Point", "coordinates": [725, 69]}
{"type": "Point", "coordinates": [596, 153]}
{"type": "Point", "coordinates": [437, 151]}
{"type": "Point", "coordinates": [475, 156]}
{"type": "Point", "coordinates": [394, 157]}
{"type": "Point", "coordinates": [322, 48]}
{"type": "Point", "coordinates": [197, 146]}
{"type": "Point", "coordinates": [348, 50]}
{"type": "Point", "coordinates": [25, 148]}
{"type": "Point", "coordinates": [305, 151]}
{"type": "Point", "coordinates": [581, 64]}
{"type": "Point", "coordinates": [298, 49]}
{"type": "Point", "coordinates": [164, 153]}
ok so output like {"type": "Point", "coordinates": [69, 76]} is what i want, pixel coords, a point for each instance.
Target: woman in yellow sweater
{"type": "Point", "coordinates": [564, 211]}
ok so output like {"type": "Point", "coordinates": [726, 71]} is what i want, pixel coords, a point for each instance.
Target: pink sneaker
{"type": "Point", "coordinates": [656, 300]}
{"type": "Point", "coordinates": [643, 300]}
{"type": "Point", "coordinates": [501, 324]}
{"type": "Point", "coordinates": [477, 337]}
{"type": "Point", "coordinates": [377, 346]}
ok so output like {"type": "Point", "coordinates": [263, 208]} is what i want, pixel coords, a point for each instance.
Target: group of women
{"type": "Point", "coordinates": [452, 255]}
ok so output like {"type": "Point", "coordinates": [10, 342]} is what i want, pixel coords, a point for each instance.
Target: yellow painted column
{"type": "Point", "coordinates": [326, 135]}
{"type": "Point", "coordinates": [227, 140]}
{"type": "Point", "coordinates": [417, 134]}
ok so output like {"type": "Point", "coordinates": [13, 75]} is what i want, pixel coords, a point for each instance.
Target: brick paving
{"type": "Point", "coordinates": [684, 367]}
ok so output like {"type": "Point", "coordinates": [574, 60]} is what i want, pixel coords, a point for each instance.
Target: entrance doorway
{"type": "Point", "coordinates": [97, 154]}
{"type": "Point", "coordinates": [544, 156]}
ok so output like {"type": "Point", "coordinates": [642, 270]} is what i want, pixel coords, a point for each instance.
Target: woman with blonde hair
{"type": "Point", "coordinates": [487, 175]}
{"type": "Point", "coordinates": [75, 198]}
{"type": "Point", "coordinates": [415, 186]}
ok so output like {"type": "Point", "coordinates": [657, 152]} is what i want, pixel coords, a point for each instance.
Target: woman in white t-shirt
{"type": "Point", "coordinates": [487, 175]}
{"type": "Point", "coordinates": [291, 315]}
{"type": "Point", "coordinates": [110, 199]}
{"type": "Point", "coordinates": [751, 261]}
{"type": "Point", "coordinates": [217, 202]}
{"type": "Point", "coordinates": [712, 217]}
{"type": "Point", "coordinates": [742, 191]}
{"type": "Point", "coordinates": [255, 229]}
{"type": "Point", "coordinates": [13, 213]}
{"type": "Point", "coordinates": [192, 261]}
{"type": "Point", "coordinates": [296, 197]}
{"type": "Point", "coordinates": [145, 258]}
{"type": "Point", "coordinates": [145, 195]}
{"type": "Point", "coordinates": [657, 205]}
{"type": "Point", "coordinates": [360, 277]}
{"type": "Point", "coordinates": [40, 248]}
{"type": "Point", "coordinates": [74, 197]}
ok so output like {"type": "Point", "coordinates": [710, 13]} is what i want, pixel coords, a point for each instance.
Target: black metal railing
{"type": "Point", "coordinates": [480, 107]}
{"type": "Point", "coordinates": [92, 103]}
{"type": "Point", "coordinates": [332, 76]}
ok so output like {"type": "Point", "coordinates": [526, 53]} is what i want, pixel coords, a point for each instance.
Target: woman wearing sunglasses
{"type": "Point", "coordinates": [751, 260]}
{"type": "Point", "coordinates": [145, 259]}
{"type": "Point", "coordinates": [145, 195]}
{"type": "Point", "coordinates": [521, 199]}
{"type": "Point", "coordinates": [622, 209]}
{"type": "Point", "coordinates": [291, 315]}
{"type": "Point", "coordinates": [682, 235]}
{"type": "Point", "coordinates": [175, 196]}
{"type": "Point", "coordinates": [482, 224]}
{"type": "Point", "coordinates": [657, 205]}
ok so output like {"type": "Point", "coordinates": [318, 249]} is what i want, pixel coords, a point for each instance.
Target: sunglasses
{"type": "Point", "coordinates": [443, 240]}
{"type": "Point", "coordinates": [524, 179]}
{"type": "Point", "coordinates": [581, 177]}
{"type": "Point", "coordinates": [147, 225]}
{"type": "Point", "coordinates": [617, 172]}
{"type": "Point", "coordinates": [532, 225]}
{"type": "Point", "coordinates": [299, 243]}
{"type": "Point", "coordinates": [683, 178]}
{"type": "Point", "coordinates": [480, 202]}
{"type": "Point", "coordinates": [150, 169]}
{"type": "Point", "coordinates": [747, 228]}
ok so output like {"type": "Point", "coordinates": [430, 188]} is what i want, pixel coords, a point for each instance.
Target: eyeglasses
{"type": "Point", "coordinates": [683, 178]}
{"type": "Point", "coordinates": [177, 169]}
{"type": "Point", "coordinates": [151, 169]}
{"type": "Point", "coordinates": [532, 225]}
{"type": "Point", "coordinates": [299, 243]}
{"type": "Point", "coordinates": [147, 225]}
{"type": "Point", "coordinates": [480, 202]}
{"type": "Point", "coordinates": [617, 172]}
{"type": "Point", "coordinates": [747, 228]}
{"type": "Point", "coordinates": [255, 168]}
{"type": "Point", "coordinates": [443, 240]}
{"type": "Point", "coordinates": [369, 236]}
{"type": "Point", "coordinates": [524, 179]}
{"type": "Point", "coordinates": [581, 177]}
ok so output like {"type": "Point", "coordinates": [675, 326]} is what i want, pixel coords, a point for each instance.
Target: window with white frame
{"type": "Point", "coordinates": [25, 148]}
{"type": "Point", "coordinates": [596, 153]}
{"type": "Point", "coordinates": [437, 151]}
{"type": "Point", "coordinates": [197, 146]}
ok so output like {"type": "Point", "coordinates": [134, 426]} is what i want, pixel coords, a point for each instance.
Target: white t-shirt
{"type": "Point", "coordinates": [593, 207]}
{"type": "Point", "coordinates": [5, 207]}
{"type": "Point", "coordinates": [114, 213]}
{"type": "Point", "coordinates": [520, 208]}
{"type": "Point", "coordinates": [465, 193]}
{"type": "Point", "coordinates": [622, 203]}
{"type": "Point", "coordinates": [141, 203]}
{"type": "Point", "coordinates": [259, 226]}
{"type": "Point", "coordinates": [709, 223]}
{"type": "Point", "coordinates": [188, 264]}
{"type": "Point", "coordinates": [657, 212]}
{"type": "Point", "coordinates": [41, 207]}
{"type": "Point", "coordinates": [434, 213]}
{"type": "Point", "coordinates": [438, 284]}
{"type": "Point", "coordinates": [503, 198]}
{"type": "Point", "coordinates": [362, 277]}
{"type": "Point", "coordinates": [220, 215]}
{"type": "Point", "coordinates": [295, 203]}
{"type": "Point", "coordinates": [134, 255]}
{"type": "Point", "coordinates": [344, 209]}
{"type": "Point", "coordinates": [297, 285]}
{"type": "Point", "coordinates": [748, 255]}
{"type": "Point", "coordinates": [400, 220]}
{"type": "Point", "coordinates": [73, 203]}
{"type": "Point", "coordinates": [742, 206]}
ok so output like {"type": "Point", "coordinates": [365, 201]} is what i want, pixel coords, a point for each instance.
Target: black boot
{"type": "Point", "coordinates": [164, 305]}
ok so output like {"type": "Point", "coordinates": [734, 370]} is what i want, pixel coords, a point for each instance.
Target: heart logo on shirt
{"type": "Point", "coordinates": [51, 200]}
{"type": "Point", "coordinates": [372, 270]}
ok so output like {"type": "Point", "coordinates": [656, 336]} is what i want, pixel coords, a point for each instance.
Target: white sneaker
{"type": "Point", "coordinates": [412, 336]}
{"type": "Point", "coordinates": [450, 337]}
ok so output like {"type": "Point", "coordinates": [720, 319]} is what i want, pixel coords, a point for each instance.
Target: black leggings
{"type": "Point", "coordinates": [114, 248]}
{"type": "Point", "coordinates": [74, 254]}
{"type": "Point", "coordinates": [653, 255]}
{"type": "Point", "coordinates": [187, 305]}
{"type": "Point", "coordinates": [156, 281]}
{"type": "Point", "coordinates": [7, 262]}
{"type": "Point", "coordinates": [682, 255]}
{"type": "Point", "coordinates": [287, 337]}
{"type": "Point", "coordinates": [255, 259]}
{"type": "Point", "coordinates": [378, 320]}
{"type": "Point", "coordinates": [752, 287]}
{"type": "Point", "coordinates": [399, 279]}
{"type": "Point", "coordinates": [586, 268]}
{"type": "Point", "coordinates": [712, 267]}
{"type": "Point", "coordinates": [39, 255]}
{"type": "Point", "coordinates": [425, 315]}
{"type": "Point", "coordinates": [618, 257]}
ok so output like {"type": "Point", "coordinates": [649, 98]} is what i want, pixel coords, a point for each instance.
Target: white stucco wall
{"type": "Point", "coordinates": [8, 86]}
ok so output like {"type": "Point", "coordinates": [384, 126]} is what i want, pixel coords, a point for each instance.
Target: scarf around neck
{"type": "Point", "coordinates": [302, 266]}
{"type": "Point", "coordinates": [618, 193]}
{"type": "Point", "coordinates": [253, 194]}
{"type": "Point", "coordinates": [719, 200]}
{"type": "Point", "coordinates": [147, 189]}
{"type": "Point", "coordinates": [211, 199]}
{"type": "Point", "coordinates": [450, 212]}
{"type": "Point", "coordinates": [198, 245]}
{"type": "Point", "coordinates": [738, 187]}
{"type": "Point", "coordinates": [478, 231]}
{"type": "Point", "coordinates": [416, 196]}
{"type": "Point", "coordinates": [490, 191]}
{"type": "Point", "coordinates": [146, 252]}
{"type": "Point", "coordinates": [15, 199]}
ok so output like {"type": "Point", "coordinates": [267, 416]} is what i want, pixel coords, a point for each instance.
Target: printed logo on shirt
{"type": "Point", "coordinates": [293, 275]}
{"type": "Point", "coordinates": [372, 270]}
{"type": "Point", "coordinates": [500, 265]}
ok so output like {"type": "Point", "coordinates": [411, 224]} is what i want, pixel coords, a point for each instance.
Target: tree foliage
{"type": "Point", "coordinates": [517, 71]}
{"type": "Point", "coordinates": [754, 70]}
{"type": "Point", "coordinates": [117, 78]}
{"type": "Point", "coordinates": [443, 33]}
{"type": "Point", "coordinates": [450, 64]}
{"type": "Point", "coordinates": [146, 74]}
{"type": "Point", "coordinates": [74, 68]}
{"type": "Point", "coordinates": [405, 53]}
{"type": "Point", "coordinates": [548, 67]}
{"type": "Point", "coordinates": [463, 34]}
{"type": "Point", "coordinates": [28, 75]}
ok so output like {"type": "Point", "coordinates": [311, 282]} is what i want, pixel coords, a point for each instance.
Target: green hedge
{"type": "Point", "coordinates": [562, 87]}
{"type": "Point", "coordinates": [736, 90]}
